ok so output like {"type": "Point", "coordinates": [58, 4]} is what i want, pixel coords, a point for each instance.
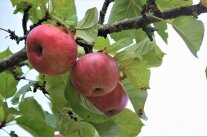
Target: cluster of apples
{"type": "Point", "coordinates": [52, 50]}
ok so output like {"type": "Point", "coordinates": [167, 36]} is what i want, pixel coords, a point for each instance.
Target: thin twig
{"type": "Point", "coordinates": [25, 19]}
{"type": "Point", "coordinates": [13, 36]}
{"type": "Point", "coordinates": [104, 10]}
{"type": "Point", "coordinates": [40, 21]}
{"type": "Point", "coordinates": [5, 131]}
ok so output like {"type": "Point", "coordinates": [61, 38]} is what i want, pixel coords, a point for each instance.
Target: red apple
{"type": "Point", "coordinates": [95, 74]}
{"type": "Point", "coordinates": [111, 103]}
{"type": "Point", "coordinates": [50, 49]}
{"type": "Point", "coordinates": [58, 134]}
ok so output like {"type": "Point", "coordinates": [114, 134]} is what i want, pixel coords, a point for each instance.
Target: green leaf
{"type": "Point", "coordinates": [107, 129]}
{"type": "Point", "coordinates": [37, 11]}
{"type": "Point", "coordinates": [30, 107]}
{"type": "Point", "coordinates": [65, 11]}
{"type": "Point", "coordinates": [119, 45]}
{"type": "Point", "coordinates": [1, 111]}
{"type": "Point", "coordinates": [7, 84]}
{"type": "Point", "coordinates": [86, 129]}
{"type": "Point", "coordinates": [130, 125]}
{"type": "Point", "coordinates": [6, 114]}
{"type": "Point", "coordinates": [22, 91]}
{"type": "Point", "coordinates": [88, 105]}
{"type": "Point", "coordinates": [73, 98]}
{"type": "Point", "coordinates": [82, 129]}
{"type": "Point", "coordinates": [137, 73]}
{"type": "Point", "coordinates": [36, 14]}
{"type": "Point", "coordinates": [140, 35]}
{"type": "Point", "coordinates": [136, 60]}
{"type": "Point", "coordinates": [33, 2]}
{"type": "Point", "coordinates": [161, 29]}
{"type": "Point", "coordinates": [125, 9]}
{"type": "Point", "coordinates": [7, 81]}
{"type": "Point", "coordinates": [192, 37]}
{"type": "Point", "coordinates": [5, 53]}
{"type": "Point", "coordinates": [87, 28]}
{"type": "Point", "coordinates": [137, 97]}
{"type": "Point", "coordinates": [35, 126]}
{"type": "Point", "coordinates": [55, 86]}
{"type": "Point", "coordinates": [50, 119]}
{"type": "Point", "coordinates": [64, 123]}
{"type": "Point", "coordinates": [166, 4]}
{"type": "Point", "coordinates": [206, 72]}
{"type": "Point", "coordinates": [147, 52]}
{"type": "Point", "coordinates": [70, 127]}
{"type": "Point", "coordinates": [101, 43]}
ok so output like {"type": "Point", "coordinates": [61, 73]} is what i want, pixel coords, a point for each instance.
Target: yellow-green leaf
{"type": "Point", "coordinates": [87, 28]}
{"type": "Point", "coordinates": [192, 37]}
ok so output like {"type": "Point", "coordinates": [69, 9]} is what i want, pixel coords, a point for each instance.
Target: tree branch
{"type": "Point", "coordinates": [103, 11]}
{"type": "Point", "coordinates": [13, 36]}
{"type": "Point", "coordinates": [40, 21]}
{"type": "Point", "coordinates": [134, 23]}
{"type": "Point", "coordinates": [88, 47]}
{"type": "Point", "coordinates": [25, 19]}
{"type": "Point", "coordinates": [13, 60]}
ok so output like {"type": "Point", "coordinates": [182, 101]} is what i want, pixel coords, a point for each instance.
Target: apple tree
{"type": "Point", "coordinates": [126, 38]}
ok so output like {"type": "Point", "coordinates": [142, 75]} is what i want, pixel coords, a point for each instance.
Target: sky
{"type": "Point", "coordinates": [177, 98]}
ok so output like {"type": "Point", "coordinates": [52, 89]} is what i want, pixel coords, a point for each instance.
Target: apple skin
{"type": "Point", "coordinates": [111, 103]}
{"type": "Point", "coordinates": [51, 50]}
{"type": "Point", "coordinates": [95, 74]}
{"type": "Point", "coordinates": [59, 135]}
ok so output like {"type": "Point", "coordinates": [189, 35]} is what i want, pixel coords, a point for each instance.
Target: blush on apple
{"type": "Point", "coordinates": [111, 103]}
{"type": "Point", "coordinates": [50, 49]}
{"type": "Point", "coordinates": [95, 74]}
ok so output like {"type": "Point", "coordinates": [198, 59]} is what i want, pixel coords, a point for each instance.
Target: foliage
{"type": "Point", "coordinates": [72, 114]}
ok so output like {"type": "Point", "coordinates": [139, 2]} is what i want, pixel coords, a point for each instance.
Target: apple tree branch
{"type": "Point", "coordinates": [103, 11]}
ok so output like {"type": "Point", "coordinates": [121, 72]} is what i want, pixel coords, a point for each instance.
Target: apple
{"type": "Point", "coordinates": [95, 74]}
{"type": "Point", "coordinates": [51, 50]}
{"type": "Point", "coordinates": [58, 134]}
{"type": "Point", "coordinates": [111, 103]}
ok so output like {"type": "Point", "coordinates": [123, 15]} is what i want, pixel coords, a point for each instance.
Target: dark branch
{"type": "Point", "coordinates": [145, 28]}
{"type": "Point", "coordinates": [152, 7]}
{"type": "Point", "coordinates": [103, 11]}
{"type": "Point", "coordinates": [88, 47]}
{"type": "Point", "coordinates": [40, 86]}
{"type": "Point", "coordinates": [13, 36]}
{"type": "Point", "coordinates": [40, 21]}
{"type": "Point", "coordinates": [134, 23]}
{"type": "Point", "coordinates": [16, 75]}
{"type": "Point", "coordinates": [13, 60]}
{"type": "Point", "coordinates": [25, 19]}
